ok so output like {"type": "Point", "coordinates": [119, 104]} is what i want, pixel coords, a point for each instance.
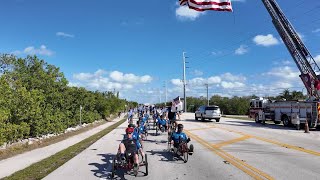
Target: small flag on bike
{"type": "Point", "coordinates": [203, 5]}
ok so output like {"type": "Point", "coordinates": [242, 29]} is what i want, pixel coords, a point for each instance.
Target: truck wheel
{"type": "Point", "coordinates": [257, 119]}
{"type": "Point", "coordinates": [286, 121]}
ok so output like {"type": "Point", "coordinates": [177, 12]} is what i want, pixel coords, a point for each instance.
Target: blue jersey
{"type": "Point", "coordinates": [176, 136]}
{"type": "Point", "coordinates": [162, 121]}
{"type": "Point", "coordinates": [141, 129]}
{"type": "Point", "coordinates": [144, 119]}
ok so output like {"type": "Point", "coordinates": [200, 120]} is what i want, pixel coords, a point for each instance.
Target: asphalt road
{"type": "Point", "coordinates": [230, 149]}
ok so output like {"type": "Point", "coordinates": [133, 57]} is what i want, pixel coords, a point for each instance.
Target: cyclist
{"type": "Point", "coordinates": [162, 122]}
{"type": "Point", "coordinates": [130, 116]}
{"type": "Point", "coordinates": [179, 136]}
{"type": "Point", "coordinates": [172, 116]}
{"type": "Point", "coordinates": [140, 133]}
{"type": "Point", "coordinates": [128, 148]}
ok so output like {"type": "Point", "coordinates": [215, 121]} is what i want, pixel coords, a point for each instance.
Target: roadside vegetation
{"type": "Point", "coordinates": [35, 100]}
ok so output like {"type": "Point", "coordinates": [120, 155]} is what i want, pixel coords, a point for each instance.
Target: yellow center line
{"type": "Point", "coordinates": [251, 171]}
{"type": "Point", "coordinates": [196, 129]}
{"type": "Point", "coordinates": [288, 146]}
{"type": "Point", "coordinates": [219, 145]}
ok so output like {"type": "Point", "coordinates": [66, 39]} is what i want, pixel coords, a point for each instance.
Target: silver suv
{"type": "Point", "coordinates": [208, 112]}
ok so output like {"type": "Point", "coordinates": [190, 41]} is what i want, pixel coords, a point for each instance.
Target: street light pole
{"type": "Point", "coordinates": [166, 93]}
{"type": "Point", "coordinates": [207, 85]}
{"type": "Point", "coordinates": [184, 82]}
{"type": "Point", "coordinates": [80, 114]}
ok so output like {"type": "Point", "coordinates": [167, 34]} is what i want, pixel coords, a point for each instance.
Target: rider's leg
{"type": "Point", "coordinates": [142, 153]}
{"type": "Point", "coordinates": [136, 159]}
{"type": "Point", "coordinates": [122, 150]}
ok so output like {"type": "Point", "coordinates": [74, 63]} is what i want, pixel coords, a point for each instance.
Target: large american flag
{"type": "Point", "coordinates": [202, 5]}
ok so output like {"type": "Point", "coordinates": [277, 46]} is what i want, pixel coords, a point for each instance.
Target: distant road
{"type": "Point", "coordinates": [230, 149]}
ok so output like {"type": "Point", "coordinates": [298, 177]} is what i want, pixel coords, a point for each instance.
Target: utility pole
{"type": "Point", "coordinates": [80, 114]}
{"type": "Point", "coordinates": [207, 86]}
{"type": "Point", "coordinates": [159, 96]}
{"type": "Point", "coordinates": [165, 84]}
{"type": "Point", "coordinates": [184, 82]}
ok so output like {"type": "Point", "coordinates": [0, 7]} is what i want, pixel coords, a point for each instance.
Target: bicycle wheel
{"type": "Point", "coordinates": [157, 129]}
{"type": "Point", "coordinates": [146, 164]}
{"type": "Point", "coordinates": [113, 170]}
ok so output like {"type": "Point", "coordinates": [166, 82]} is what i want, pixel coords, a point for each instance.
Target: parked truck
{"type": "Point", "coordinates": [290, 113]}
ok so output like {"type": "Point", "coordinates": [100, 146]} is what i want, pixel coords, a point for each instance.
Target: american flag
{"type": "Point", "coordinates": [202, 5]}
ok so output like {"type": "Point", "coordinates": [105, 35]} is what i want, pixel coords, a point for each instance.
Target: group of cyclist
{"type": "Point", "coordinates": [132, 144]}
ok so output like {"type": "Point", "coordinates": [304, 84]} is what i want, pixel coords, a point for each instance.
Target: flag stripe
{"type": "Point", "coordinates": [215, 7]}
{"type": "Point", "coordinates": [211, 2]}
{"type": "Point", "coordinates": [204, 9]}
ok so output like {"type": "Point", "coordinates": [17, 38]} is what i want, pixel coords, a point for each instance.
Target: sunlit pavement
{"type": "Point", "coordinates": [229, 149]}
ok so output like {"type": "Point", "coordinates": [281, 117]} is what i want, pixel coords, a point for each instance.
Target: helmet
{"type": "Point", "coordinates": [180, 126]}
{"type": "Point", "coordinates": [131, 126]}
{"type": "Point", "coordinates": [129, 130]}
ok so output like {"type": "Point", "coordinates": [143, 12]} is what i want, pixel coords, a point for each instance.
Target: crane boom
{"type": "Point", "coordinates": [300, 54]}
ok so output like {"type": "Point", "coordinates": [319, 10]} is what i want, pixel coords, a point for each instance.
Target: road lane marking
{"type": "Point", "coordinates": [196, 129]}
{"type": "Point", "coordinates": [246, 168]}
{"type": "Point", "coordinates": [297, 148]}
{"type": "Point", "coordinates": [288, 146]}
{"type": "Point", "coordinates": [224, 143]}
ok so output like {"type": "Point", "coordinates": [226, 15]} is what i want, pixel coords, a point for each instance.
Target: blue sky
{"type": "Point", "coordinates": [135, 46]}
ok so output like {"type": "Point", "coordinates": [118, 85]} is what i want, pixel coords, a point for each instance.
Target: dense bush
{"type": "Point", "coordinates": [35, 100]}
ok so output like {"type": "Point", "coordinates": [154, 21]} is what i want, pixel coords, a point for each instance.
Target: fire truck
{"type": "Point", "coordinates": [290, 112]}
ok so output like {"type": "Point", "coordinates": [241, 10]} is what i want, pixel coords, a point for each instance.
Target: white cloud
{"type": "Point", "coordinates": [197, 73]}
{"type": "Point", "coordinates": [88, 76]}
{"type": "Point", "coordinates": [317, 58]}
{"type": "Point", "coordinates": [214, 80]}
{"type": "Point", "coordinates": [242, 50]}
{"type": "Point", "coordinates": [232, 85]}
{"type": "Point", "coordinates": [197, 82]}
{"type": "Point", "coordinates": [231, 77]}
{"type": "Point", "coordinates": [285, 72]}
{"type": "Point", "coordinates": [62, 34]}
{"type": "Point", "coordinates": [41, 51]}
{"type": "Point", "coordinates": [102, 80]}
{"type": "Point", "coordinates": [216, 53]}
{"type": "Point", "coordinates": [176, 82]}
{"type": "Point", "coordinates": [129, 78]}
{"type": "Point", "coordinates": [184, 13]}
{"type": "Point", "coordinates": [316, 30]}
{"type": "Point", "coordinates": [267, 40]}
